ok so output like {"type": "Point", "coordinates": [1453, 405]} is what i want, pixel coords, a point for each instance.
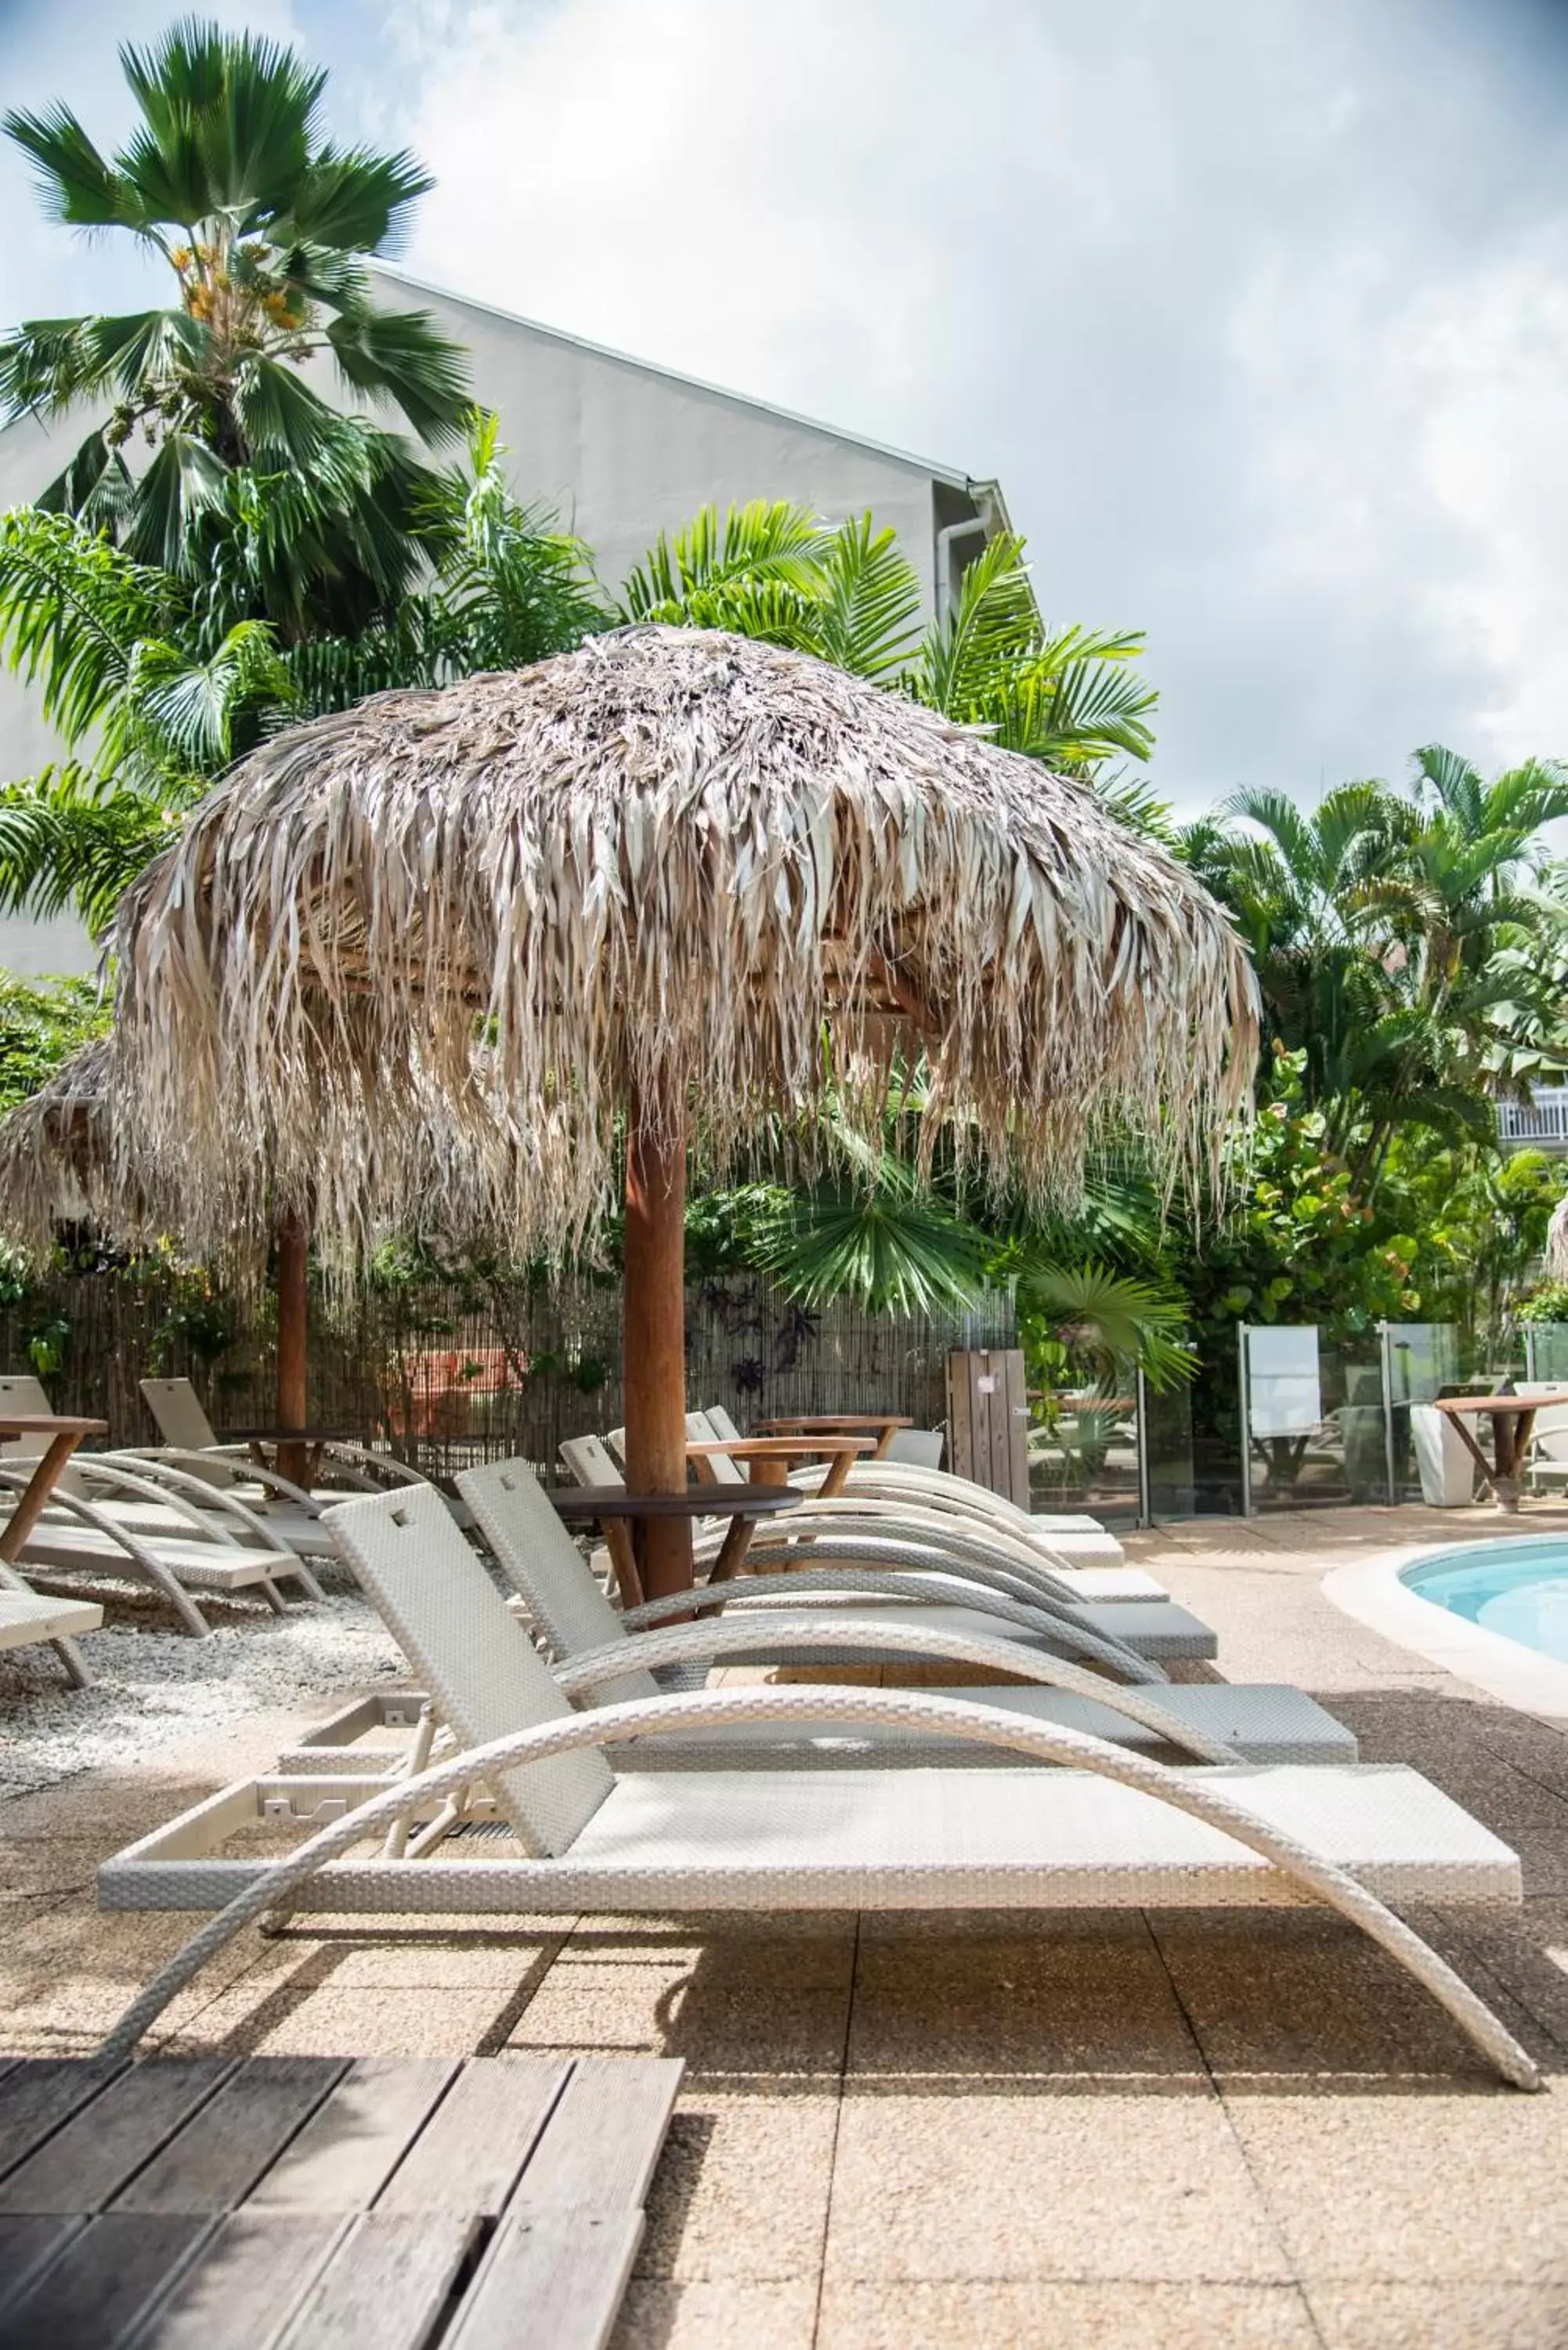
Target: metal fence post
{"type": "Point", "coordinates": [1386, 1335]}
{"type": "Point", "coordinates": [1145, 1479]}
{"type": "Point", "coordinates": [1245, 1418]}
{"type": "Point", "coordinates": [1529, 1351]}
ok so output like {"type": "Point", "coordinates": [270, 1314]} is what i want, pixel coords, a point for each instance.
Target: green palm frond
{"type": "Point", "coordinates": [892, 1248]}
{"type": "Point", "coordinates": [1109, 1320]}
{"type": "Point", "coordinates": [72, 611]}
{"type": "Point", "coordinates": [866, 611]}
{"type": "Point", "coordinates": [769, 540]}
{"type": "Point", "coordinates": [64, 842]}
{"type": "Point", "coordinates": [264, 228]}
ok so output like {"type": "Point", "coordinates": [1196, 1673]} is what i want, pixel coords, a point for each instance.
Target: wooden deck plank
{"type": "Point", "coordinates": [40, 2095]}
{"type": "Point", "coordinates": [84, 2166]}
{"type": "Point", "coordinates": [567, 2270]}
{"type": "Point", "coordinates": [472, 2150]}
{"type": "Point", "coordinates": [596, 2152]}
{"type": "Point", "coordinates": [350, 2146]}
{"type": "Point", "coordinates": [244, 2282]}
{"type": "Point", "coordinates": [112, 2276]}
{"type": "Point", "coordinates": [26, 2247]}
{"type": "Point", "coordinates": [388, 2283]}
{"type": "Point", "coordinates": [229, 2145]}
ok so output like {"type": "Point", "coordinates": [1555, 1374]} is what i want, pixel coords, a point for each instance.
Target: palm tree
{"type": "Point", "coordinates": [1407, 955]}
{"type": "Point", "coordinates": [265, 227]}
{"type": "Point", "coordinates": [155, 687]}
{"type": "Point", "coordinates": [849, 594]}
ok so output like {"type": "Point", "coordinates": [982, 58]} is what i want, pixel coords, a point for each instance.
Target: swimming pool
{"type": "Point", "coordinates": [1517, 1588]}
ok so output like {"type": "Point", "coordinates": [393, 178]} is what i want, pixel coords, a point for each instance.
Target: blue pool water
{"type": "Point", "coordinates": [1517, 1588]}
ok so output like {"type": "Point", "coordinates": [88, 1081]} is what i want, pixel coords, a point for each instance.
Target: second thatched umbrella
{"type": "Point", "coordinates": [674, 877]}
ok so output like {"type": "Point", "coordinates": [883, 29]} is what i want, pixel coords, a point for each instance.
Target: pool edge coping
{"type": "Point", "coordinates": [1372, 1591]}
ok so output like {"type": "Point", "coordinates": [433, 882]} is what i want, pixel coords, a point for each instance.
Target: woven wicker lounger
{"type": "Point", "coordinates": [1079, 1542]}
{"type": "Point", "coordinates": [601, 1657]}
{"type": "Point", "coordinates": [958, 1554]}
{"type": "Point", "coordinates": [538, 1557]}
{"type": "Point", "coordinates": [29, 1619]}
{"type": "Point", "coordinates": [1112, 1828]}
{"type": "Point", "coordinates": [79, 1537]}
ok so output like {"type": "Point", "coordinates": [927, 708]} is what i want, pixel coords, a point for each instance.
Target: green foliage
{"type": "Point", "coordinates": [1300, 1246]}
{"type": "Point", "coordinates": [42, 1024]}
{"type": "Point", "coordinates": [1549, 1303]}
{"type": "Point", "coordinates": [264, 226]}
{"type": "Point", "coordinates": [1409, 946]}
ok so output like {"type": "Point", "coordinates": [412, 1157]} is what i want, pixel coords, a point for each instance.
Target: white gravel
{"type": "Point", "coordinates": [152, 1688]}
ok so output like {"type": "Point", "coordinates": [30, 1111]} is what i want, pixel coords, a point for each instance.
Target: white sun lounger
{"type": "Point", "coordinates": [77, 1535]}
{"type": "Point", "coordinates": [30, 1618]}
{"type": "Point", "coordinates": [538, 1557]}
{"type": "Point", "coordinates": [191, 1442]}
{"type": "Point", "coordinates": [1078, 1548]}
{"type": "Point", "coordinates": [946, 1584]}
{"type": "Point", "coordinates": [1112, 1828]}
{"type": "Point", "coordinates": [827, 1522]}
{"type": "Point", "coordinates": [602, 1655]}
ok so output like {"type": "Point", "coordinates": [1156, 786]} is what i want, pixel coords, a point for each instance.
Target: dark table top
{"type": "Point", "coordinates": [698, 1501]}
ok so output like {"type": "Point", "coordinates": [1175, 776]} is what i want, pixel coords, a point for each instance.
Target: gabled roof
{"type": "Point", "coordinates": [954, 475]}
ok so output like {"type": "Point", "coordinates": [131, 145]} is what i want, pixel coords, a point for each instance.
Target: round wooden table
{"type": "Point", "coordinates": [625, 1513]}
{"type": "Point", "coordinates": [64, 1434]}
{"type": "Point", "coordinates": [1512, 1418]}
{"type": "Point", "coordinates": [769, 1457]}
{"type": "Point", "coordinates": [882, 1425]}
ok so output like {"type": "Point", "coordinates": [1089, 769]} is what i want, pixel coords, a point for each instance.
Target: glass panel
{"type": "Point", "coordinates": [1546, 1344]}
{"type": "Point", "coordinates": [1165, 1428]}
{"type": "Point", "coordinates": [1315, 1421]}
{"type": "Point", "coordinates": [1082, 1450]}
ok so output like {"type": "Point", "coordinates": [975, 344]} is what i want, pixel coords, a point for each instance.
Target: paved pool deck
{"type": "Point", "coordinates": [1239, 2131]}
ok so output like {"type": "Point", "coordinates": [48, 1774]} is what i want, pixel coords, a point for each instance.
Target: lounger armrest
{"type": "Point", "coordinates": [734, 1637]}
{"type": "Point", "coordinates": [961, 1562]}
{"type": "Point", "coordinates": [196, 1454]}
{"type": "Point", "coordinates": [948, 1543]}
{"type": "Point", "coordinates": [921, 1587]}
{"type": "Point", "coordinates": [165, 1483]}
{"type": "Point", "coordinates": [1032, 1556]}
{"type": "Point", "coordinates": [909, 1710]}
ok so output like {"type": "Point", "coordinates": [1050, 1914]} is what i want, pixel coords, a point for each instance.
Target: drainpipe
{"type": "Point", "coordinates": [946, 541]}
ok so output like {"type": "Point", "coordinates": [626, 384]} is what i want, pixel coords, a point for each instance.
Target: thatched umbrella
{"type": "Point", "coordinates": [673, 877]}
{"type": "Point", "coordinates": [64, 1156]}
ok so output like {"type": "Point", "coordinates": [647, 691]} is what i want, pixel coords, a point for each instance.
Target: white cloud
{"type": "Point", "coordinates": [1256, 306]}
{"type": "Point", "coordinates": [1248, 302]}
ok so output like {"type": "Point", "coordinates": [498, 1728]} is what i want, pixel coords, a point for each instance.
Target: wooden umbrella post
{"type": "Point", "coordinates": [292, 1333]}
{"type": "Point", "coordinates": [654, 1336]}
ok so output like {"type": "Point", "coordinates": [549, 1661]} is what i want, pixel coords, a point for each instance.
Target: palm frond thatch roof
{"type": "Point", "coordinates": [676, 866]}
{"type": "Point", "coordinates": [58, 1159]}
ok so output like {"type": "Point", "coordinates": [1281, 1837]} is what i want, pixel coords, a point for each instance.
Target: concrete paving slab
{"type": "Point", "coordinates": [1108, 2186]}
{"type": "Point", "coordinates": [1440, 2317]}
{"type": "Point", "coordinates": [724, 2014]}
{"type": "Point", "coordinates": [1016, 2007]}
{"type": "Point", "coordinates": [1419, 2189]}
{"type": "Point", "coordinates": [740, 2193]}
{"type": "Point", "coordinates": [656, 2315]}
{"type": "Point", "coordinates": [1050, 2316]}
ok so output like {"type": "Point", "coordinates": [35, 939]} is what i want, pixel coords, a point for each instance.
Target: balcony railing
{"type": "Point", "coordinates": [1545, 1119]}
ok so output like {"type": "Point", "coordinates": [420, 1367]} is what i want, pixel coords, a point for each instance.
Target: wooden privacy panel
{"type": "Point", "coordinates": [988, 1420]}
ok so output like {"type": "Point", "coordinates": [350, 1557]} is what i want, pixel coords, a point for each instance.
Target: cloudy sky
{"type": "Point", "coordinates": [1257, 308]}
